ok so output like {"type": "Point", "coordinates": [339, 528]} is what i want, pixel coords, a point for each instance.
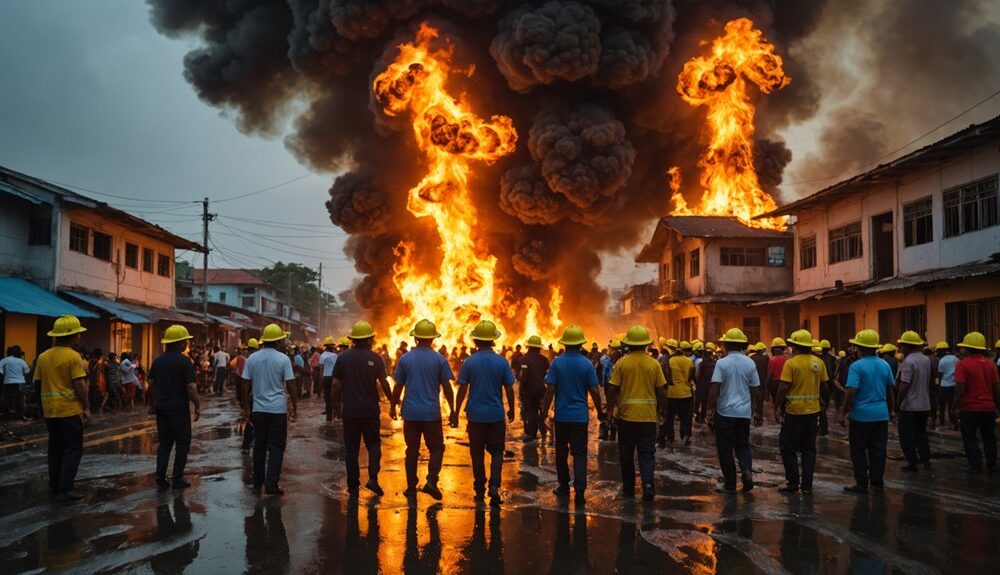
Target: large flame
{"type": "Point", "coordinates": [719, 81]}
{"type": "Point", "coordinates": [452, 138]}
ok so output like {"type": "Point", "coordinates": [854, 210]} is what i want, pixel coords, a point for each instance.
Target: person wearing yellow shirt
{"type": "Point", "coordinates": [65, 405]}
{"type": "Point", "coordinates": [678, 370]}
{"type": "Point", "coordinates": [637, 391]}
{"type": "Point", "coordinates": [803, 380]}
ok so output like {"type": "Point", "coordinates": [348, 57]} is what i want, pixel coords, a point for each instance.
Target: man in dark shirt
{"type": "Point", "coordinates": [173, 387]}
{"type": "Point", "coordinates": [530, 373]}
{"type": "Point", "coordinates": [359, 372]}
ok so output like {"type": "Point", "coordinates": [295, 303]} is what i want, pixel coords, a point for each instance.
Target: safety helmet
{"type": "Point", "coordinates": [866, 338]}
{"type": "Point", "coordinates": [252, 343]}
{"type": "Point", "coordinates": [697, 346]}
{"type": "Point", "coordinates": [638, 335]}
{"type": "Point", "coordinates": [974, 340]}
{"type": "Point", "coordinates": [328, 340]}
{"type": "Point", "coordinates": [824, 343]}
{"type": "Point", "coordinates": [710, 346]}
{"type": "Point", "coordinates": [663, 341]}
{"type": "Point", "coordinates": [273, 332]}
{"type": "Point", "coordinates": [997, 344]}
{"type": "Point", "coordinates": [534, 341]}
{"type": "Point", "coordinates": [801, 337]}
{"type": "Point", "coordinates": [671, 342]}
{"type": "Point", "coordinates": [778, 342]}
{"type": "Point", "coordinates": [910, 338]}
{"type": "Point", "coordinates": [841, 354]}
{"type": "Point", "coordinates": [66, 325]}
{"type": "Point", "coordinates": [816, 349]}
{"type": "Point", "coordinates": [344, 340]}
{"type": "Point", "coordinates": [573, 335]}
{"type": "Point", "coordinates": [734, 335]}
{"type": "Point", "coordinates": [888, 348]}
{"type": "Point", "coordinates": [362, 330]}
{"type": "Point", "coordinates": [485, 330]}
{"type": "Point", "coordinates": [424, 329]}
{"type": "Point", "coordinates": [615, 344]}
{"type": "Point", "coordinates": [941, 345]}
{"type": "Point", "coordinates": [175, 333]}
{"type": "Point", "coordinates": [685, 345]}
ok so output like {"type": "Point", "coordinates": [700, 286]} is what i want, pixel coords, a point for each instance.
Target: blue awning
{"type": "Point", "coordinates": [120, 311]}
{"type": "Point", "coordinates": [18, 295]}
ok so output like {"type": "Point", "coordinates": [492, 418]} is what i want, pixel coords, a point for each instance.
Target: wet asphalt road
{"type": "Point", "coordinates": [939, 521]}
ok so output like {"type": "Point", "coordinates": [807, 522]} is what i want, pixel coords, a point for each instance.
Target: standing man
{"type": "Point", "coordinates": [569, 381]}
{"type": "Point", "coordinates": [735, 397]}
{"type": "Point", "coordinates": [530, 371]}
{"type": "Point", "coordinates": [295, 387]}
{"type": "Point", "coordinates": [779, 355]}
{"type": "Point", "coordinates": [607, 428]}
{"type": "Point", "coordinates": [482, 377]}
{"type": "Point", "coordinates": [678, 370]}
{"type": "Point", "coordinates": [947, 362]}
{"type": "Point", "coordinates": [269, 371]}
{"type": "Point", "coordinates": [65, 405]}
{"type": "Point", "coordinates": [358, 374]}
{"type": "Point", "coordinates": [868, 395]}
{"type": "Point", "coordinates": [173, 388]}
{"type": "Point", "coordinates": [914, 401]}
{"type": "Point", "coordinates": [15, 372]}
{"type": "Point", "coordinates": [220, 362]}
{"type": "Point", "coordinates": [638, 391]}
{"type": "Point", "coordinates": [803, 379]}
{"type": "Point", "coordinates": [976, 390]}
{"type": "Point", "coordinates": [327, 360]}
{"type": "Point", "coordinates": [703, 381]}
{"type": "Point", "coordinates": [424, 373]}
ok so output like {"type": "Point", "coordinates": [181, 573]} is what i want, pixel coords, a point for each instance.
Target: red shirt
{"type": "Point", "coordinates": [240, 362]}
{"type": "Point", "coordinates": [775, 366]}
{"type": "Point", "coordinates": [979, 376]}
{"type": "Point", "coordinates": [314, 360]}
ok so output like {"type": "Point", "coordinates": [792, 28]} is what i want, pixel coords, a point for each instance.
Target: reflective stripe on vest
{"type": "Point", "coordinates": [640, 401]}
{"type": "Point", "coordinates": [801, 397]}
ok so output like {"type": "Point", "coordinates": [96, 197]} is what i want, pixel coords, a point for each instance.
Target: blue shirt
{"type": "Point", "coordinates": [422, 371]}
{"type": "Point", "coordinates": [485, 373]}
{"type": "Point", "coordinates": [736, 374]}
{"type": "Point", "coordinates": [946, 367]}
{"type": "Point", "coordinates": [328, 360]}
{"type": "Point", "coordinates": [871, 377]}
{"type": "Point", "coordinates": [267, 371]}
{"type": "Point", "coordinates": [607, 366]}
{"type": "Point", "coordinates": [571, 374]}
{"type": "Point", "coordinates": [299, 362]}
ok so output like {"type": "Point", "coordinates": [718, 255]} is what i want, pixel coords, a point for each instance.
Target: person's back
{"type": "Point", "coordinates": [803, 372]}
{"type": "Point", "coordinates": [916, 373]}
{"type": "Point", "coordinates": [871, 377]}
{"type": "Point", "coordinates": [637, 375]}
{"type": "Point", "coordinates": [531, 373]}
{"type": "Point", "coordinates": [485, 372]}
{"type": "Point", "coordinates": [359, 369]}
{"type": "Point", "coordinates": [56, 368]}
{"type": "Point", "coordinates": [761, 362]}
{"type": "Point", "coordinates": [421, 371]}
{"type": "Point", "coordinates": [978, 375]}
{"type": "Point", "coordinates": [736, 374]}
{"type": "Point", "coordinates": [171, 372]}
{"type": "Point", "coordinates": [268, 370]}
{"type": "Point", "coordinates": [14, 370]}
{"type": "Point", "coordinates": [572, 375]}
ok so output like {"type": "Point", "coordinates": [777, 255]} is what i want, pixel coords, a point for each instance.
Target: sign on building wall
{"type": "Point", "coordinates": [776, 256]}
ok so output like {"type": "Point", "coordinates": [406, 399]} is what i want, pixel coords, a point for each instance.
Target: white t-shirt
{"type": "Point", "coordinates": [220, 359]}
{"type": "Point", "coordinates": [128, 372]}
{"type": "Point", "coordinates": [736, 373]}
{"type": "Point", "coordinates": [328, 359]}
{"type": "Point", "coordinates": [267, 371]}
{"type": "Point", "coordinates": [14, 370]}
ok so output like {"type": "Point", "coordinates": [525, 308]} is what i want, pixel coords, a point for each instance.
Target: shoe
{"type": "Point", "coordinates": [855, 488]}
{"type": "Point", "coordinates": [410, 492]}
{"type": "Point", "coordinates": [648, 492]}
{"type": "Point", "coordinates": [495, 498]}
{"type": "Point", "coordinates": [747, 478]}
{"type": "Point", "coordinates": [162, 483]}
{"type": "Point", "coordinates": [68, 497]}
{"type": "Point", "coordinates": [687, 441]}
{"type": "Point", "coordinates": [806, 490]}
{"type": "Point", "coordinates": [909, 468]}
{"type": "Point", "coordinates": [580, 498]}
{"type": "Point", "coordinates": [788, 489]}
{"type": "Point", "coordinates": [725, 489]}
{"type": "Point", "coordinates": [432, 490]}
{"type": "Point", "coordinates": [561, 491]}
{"type": "Point", "coordinates": [273, 490]}
{"type": "Point", "coordinates": [181, 483]}
{"type": "Point", "coordinates": [374, 487]}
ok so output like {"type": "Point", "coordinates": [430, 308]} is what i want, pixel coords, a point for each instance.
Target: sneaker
{"type": "Point", "coordinates": [561, 491]}
{"type": "Point", "coordinates": [68, 497]}
{"type": "Point", "coordinates": [410, 491]}
{"type": "Point", "coordinates": [162, 483]}
{"type": "Point", "coordinates": [648, 492]}
{"type": "Point", "coordinates": [273, 490]}
{"type": "Point", "coordinates": [432, 490]}
{"type": "Point", "coordinates": [181, 483]}
{"type": "Point", "coordinates": [747, 478]}
{"type": "Point", "coordinates": [855, 488]}
{"type": "Point", "coordinates": [788, 489]}
{"type": "Point", "coordinates": [687, 441]}
{"type": "Point", "coordinates": [374, 487]}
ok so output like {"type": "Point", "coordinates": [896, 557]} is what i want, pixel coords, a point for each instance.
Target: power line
{"type": "Point", "coordinates": [262, 190]}
{"type": "Point", "coordinates": [292, 225]}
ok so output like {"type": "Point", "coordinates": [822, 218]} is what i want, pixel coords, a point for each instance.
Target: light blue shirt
{"type": "Point", "coordinates": [486, 373]}
{"type": "Point", "coordinates": [871, 377]}
{"type": "Point", "coordinates": [422, 371]}
{"type": "Point", "coordinates": [14, 370]}
{"type": "Point", "coordinates": [736, 374]}
{"type": "Point", "coordinates": [267, 371]}
{"type": "Point", "coordinates": [327, 359]}
{"type": "Point", "coordinates": [946, 367]}
{"type": "Point", "coordinates": [572, 375]}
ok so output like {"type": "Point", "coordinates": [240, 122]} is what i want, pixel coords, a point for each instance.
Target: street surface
{"type": "Point", "coordinates": [937, 521]}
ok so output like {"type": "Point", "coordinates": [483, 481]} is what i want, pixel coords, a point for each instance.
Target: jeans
{"type": "Point", "coordinates": [636, 437]}
{"type": "Point", "coordinates": [732, 437]}
{"type": "Point", "coordinates": [945, 397]}
{"type": "Point", "coordinates": [913, 436]}
{"type": "Point", "coordinates": [681, 409]}
{"type": "Point", "coordinates": [531, 413]}
{"type": "Point", "coordinates": [868, 440]}
{"type": "Point", "coordinates": [571, 438]}
{"type": "Point", "coordinates": [65, 451]}
{"type": "Point", "coordinates": [983, 423]}
{"type": "Point", "coordinates": [172, 428]}
{"type": "Point", "coordinates": [433, 436]}
{"type": "Point", "coordinates": [270, 432]}
{"type": "Point", "coordinates": [220, 380]}
{"type": "Point", "coordinates": [701, 400]}
{"type": "Point", "coordinates": [486, 437]}
{"type": "Point", "coordinates": [798, 435]}
{"type": "Point", "coordinates": [356, 428]}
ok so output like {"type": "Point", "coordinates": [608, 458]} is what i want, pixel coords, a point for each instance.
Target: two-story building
{"type": "Point", "coordinates": [911, 244]}
{"type": "Point", "coordinates": [711, 269]}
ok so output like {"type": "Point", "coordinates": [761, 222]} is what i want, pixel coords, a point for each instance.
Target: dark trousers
{"type": "Point", "coordinates": [220, 380]}
{"type": "Point", "coordinates": [173, 428]}
{"type": "Point", "coordinates": [483, 438]}
{"type": "Point", "coordinates": [13, 398]}
{"type": "Point", "coordinates": [824, 421]}
{"type": "Point", "coordinates": [328, 397]}
{"type": "Point", "coordinates": [701, 400]}
{"type": "Point", "coordinates": [317, 380]}
{"type": "Point", "coordinates": [356, 428]}
{"type": "Point", "coordinates": [798, 435]}
{"type": "Point", "coordinates": [913, 436]}
{"type": "Point", "coordinates": [571, 438]}
{"type": "Point", "coordinates": [433, 436]}
{"type": "Point", "coordinates": [984, 424]}
{"type": "Point", "coordinates": [270, 432]}
{"type": "Point", "coordinates": [868, 440]}
{"type": "Point", "coordinates": [531, 413]}
{"type": "Point", "coordinates": [732, 438]}
{"type": "Point", "coordinates": [96, 399]}
{"type": "Point", "coordinates": [636, 437]}
{"type": "Point", "coordinates": [941, 409]}
{"type": "Point", "coordinates": [65, 451]}
{"type": "Point", "coordinates": [679, 408]}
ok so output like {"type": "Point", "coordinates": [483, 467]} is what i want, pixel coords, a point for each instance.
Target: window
{"type": "Point", "coordinates": [162, 265]}
{"type": "Point", "coordinates": [918, 226]}
{"type": "Point", "coordinates": [40, 232]}
{"type": "Point", "coordinates": [664, 278]}
{"type": "Point", "coordinates": [751, 328]}
{"type": "Point", "coordinates": [79, 239]}
{"type": "Point", "coordinates": [102, 246]}
{"type": "Point", "coordinates": [982, 315]}
{"type": "Point", "coordinates": [249, 302]}
{"type": "Point", "coordinates": [807, 253]}
{"type": "Point", "coordinates": [695, 263]}
{"type": "Point", "coordinates": [222, 297]}
{"type": "Point", "coordinates": [688, 328]}
{"type": "Point", "coordinates": [894, 321]}
{"type": "Point", "coordinates": [845, 243]}
{"type": "Point", "coordinates": [837, 328]}
{"type": "Point", "coordinates": [748, 256]}
{"type": "Point", "coordinates": [131, 255]}
{"type": "Point", "coordinates": [248, 290]}
{"type": "Point", "coordinates": [147, 260]}
{"type": "Point", "coordinates": [971, 208]}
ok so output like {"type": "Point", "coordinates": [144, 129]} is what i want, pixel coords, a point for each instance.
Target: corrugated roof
{"type": "Point", "coordinates": [228, 276]}
{"type": "Point", "coordinates": [116, 310]}
{"type": "Point", "coordinates": [701, 227]}
{"type": "Point", "coordinates": [18, 295]}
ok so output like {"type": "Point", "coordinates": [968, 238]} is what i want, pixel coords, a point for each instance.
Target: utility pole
{"type": "Point", "coordinates": [319, 301]}
{"type": "Point", "coordinates": [205, 218]}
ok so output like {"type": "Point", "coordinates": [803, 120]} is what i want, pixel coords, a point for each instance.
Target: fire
{"type": "Point", "coordinates": [452, 138]}
{"type": "Point", "coordinates": [719, 81]}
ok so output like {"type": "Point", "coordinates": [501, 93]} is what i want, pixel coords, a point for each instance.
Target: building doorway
{"type": "Point", "coordinates": [883, 247]}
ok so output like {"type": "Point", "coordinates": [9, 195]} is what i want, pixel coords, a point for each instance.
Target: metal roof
{"type": "Point", "coordinates": [701, 227]}
{"type": "Point", "coordinates": [18, 295]}
{"type": "Point", "coordinates": [228, 276]}
{"type": "Point", "coordinates": [131, 312]}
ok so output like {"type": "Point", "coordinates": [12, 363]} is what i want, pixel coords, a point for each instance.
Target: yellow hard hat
{"type": "Point", "coordinates": [734, 335]}
{"type": "Point", "coordinates": [801, 337]}
{"type": "Point", "coordinates": [485, 330]}
{"type": "Point", "coordinates": [824, 343]}
{"type": "Point", "coordinates": [344, 340]}
{"type": "Point", "coordinates": [252, 343]}
{"type": "Point", "coordinates": [778, 342]}
{"type": "Point", "coordinates": [424, 329]}
{"type": "Point", "coordinates": [997, 344]}
{"type": "Point", "coordinates": [615, 344]}
{"type": "Point", "coordinates": [66, 325]}
{"type": "Point", "coordinates": [888, 348]}
{"type": "Point", "coordinates": [710, 346]}
{"type": "Point", "coordinates": [910, 338]}
{"type": "Point", "coordinates": [328, 340]}
{"type": "Point", "coordinates": [175, 333]}
{"type": "Point", "coordinates": [362, 330]}
{"type": "Point", "coordinates": [685, 345]}
{"type": "Point", "coordinates": [941, 345]}
{"type": "Point", "coordinates": [974, 340]}
{"type": "Point", "coordinates": [671, 342]}
{"type": "Point", "coordinates": [816, 349]}
{"type": "Point", "coordinates": [573, 335]}
{"type": "Point", "coordinates": [697, 346]}
{"type": "Point", "coordinates": [272, 332]}
{"type": "Point", "coordinates": [663, 341]}
{"type": "Point", "coordinates": [638, 335]}
{"type": "Point", "coordinates": [694, 341]}
{"type": "Point", "coordinates": [866, 338]}
{"type": "Point", "coordinates": [841, 354]}
{"type": "Point", "coordinates": [534, 341]}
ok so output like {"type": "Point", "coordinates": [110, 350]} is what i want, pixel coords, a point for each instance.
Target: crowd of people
{"type": "Point", "coordinates": [644, 395]}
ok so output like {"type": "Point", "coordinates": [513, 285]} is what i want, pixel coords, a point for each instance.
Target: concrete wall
{"type": "Point", "coordinates": [746, 279]}
{"type": "Point", "coordinates": [21, 330]}
{"type": "Point", "coordinates": [17, 258]}
{"type": "Point", "coordinates": [714, 319]}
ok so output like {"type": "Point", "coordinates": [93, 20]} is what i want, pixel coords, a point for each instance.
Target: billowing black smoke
{"type": "Point", "coordinates": [590, 85]}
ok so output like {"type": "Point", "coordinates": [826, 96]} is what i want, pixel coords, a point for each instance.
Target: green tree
{"type": "Point", "coordinates": [303, 283]}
